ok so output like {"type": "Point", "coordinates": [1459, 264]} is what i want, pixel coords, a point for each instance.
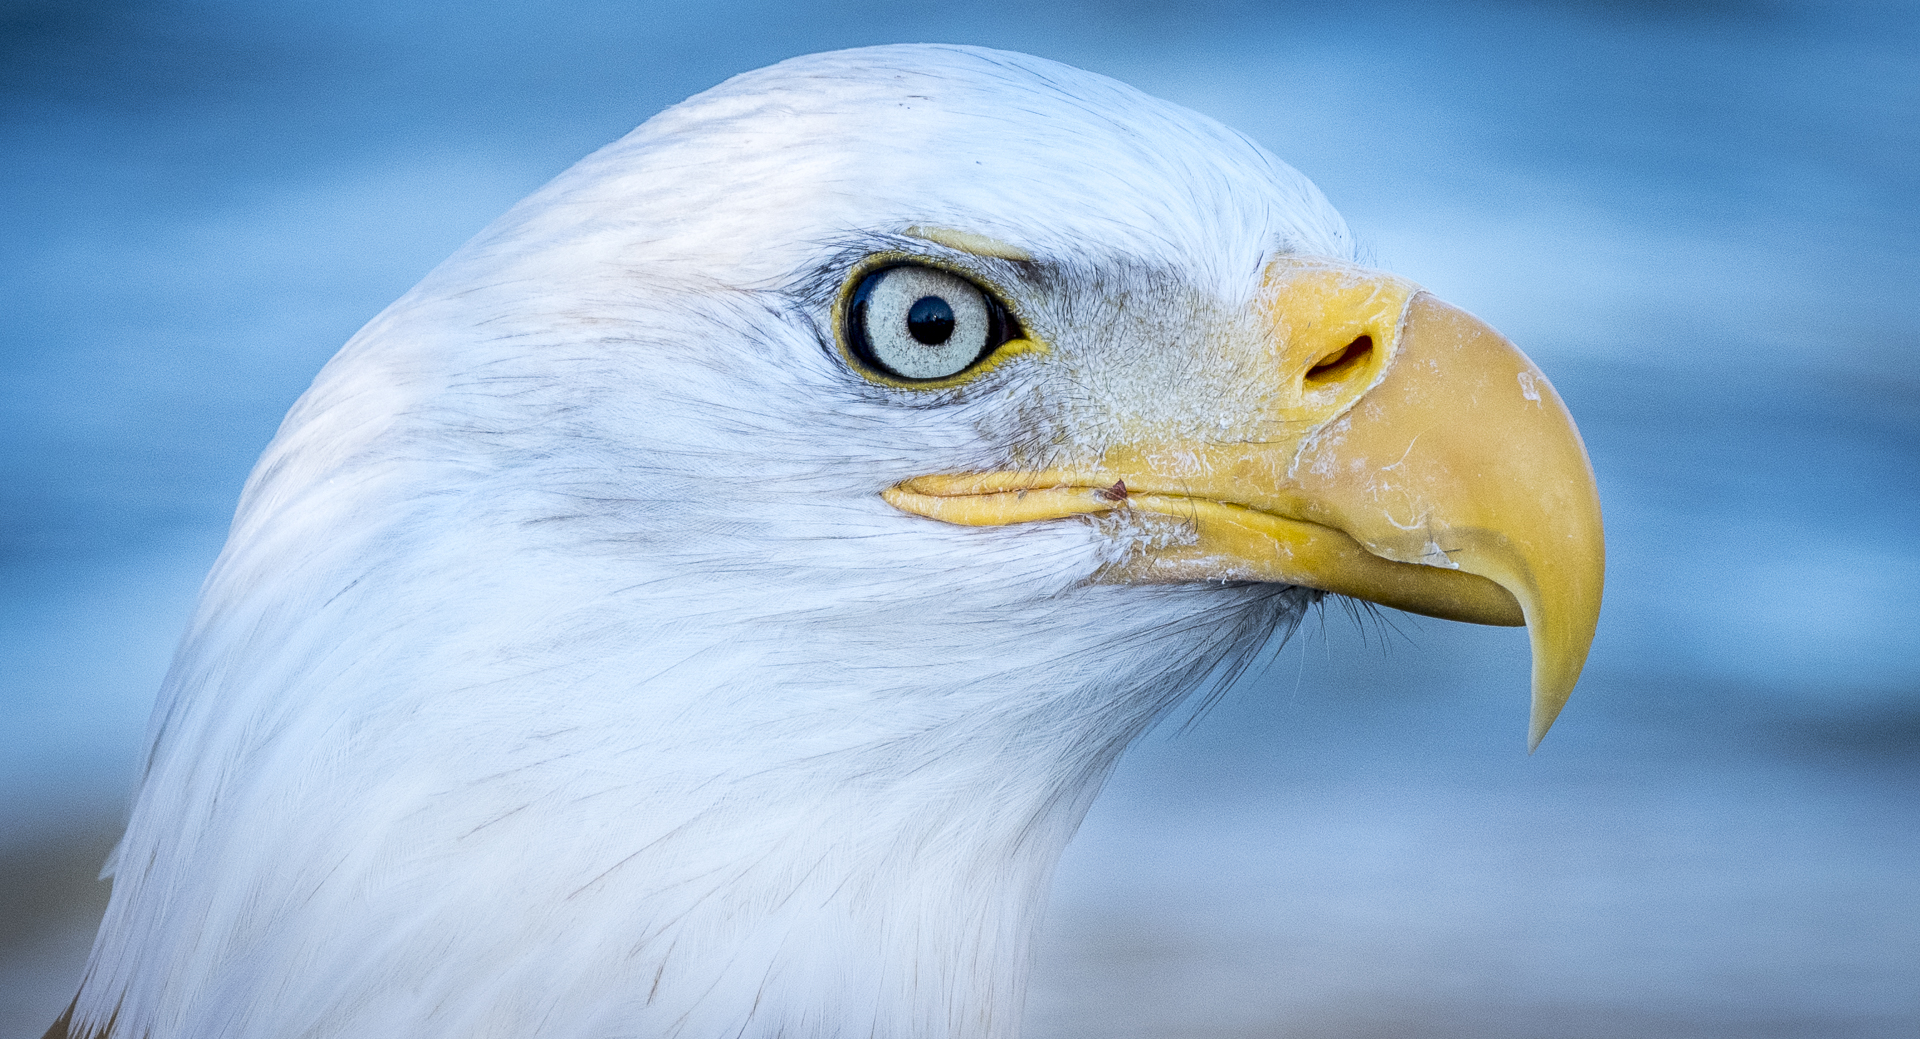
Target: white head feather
{"type": "Point", "coordinates": [565, 675]}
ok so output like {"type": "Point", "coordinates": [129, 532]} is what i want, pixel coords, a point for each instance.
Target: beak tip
{"type": "Point", "coordinates": [1546, 707]}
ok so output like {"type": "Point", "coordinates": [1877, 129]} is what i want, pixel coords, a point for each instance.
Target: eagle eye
{"type": "Point", "coordinates": [920, 324]}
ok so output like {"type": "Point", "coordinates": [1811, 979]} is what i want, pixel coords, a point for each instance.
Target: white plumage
{"type": "Point", "coordinates": [565, 673]}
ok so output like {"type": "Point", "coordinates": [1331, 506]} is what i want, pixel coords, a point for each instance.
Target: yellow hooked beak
{"type": "Point", "coordinates": [1403, 452]}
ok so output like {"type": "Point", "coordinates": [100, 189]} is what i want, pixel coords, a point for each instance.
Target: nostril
{"type": "Point", "coordinates": [1340, 364]}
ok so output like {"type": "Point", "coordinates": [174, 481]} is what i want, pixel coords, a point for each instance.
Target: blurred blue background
{"type": "Point", "coordinates": [1701, 219]}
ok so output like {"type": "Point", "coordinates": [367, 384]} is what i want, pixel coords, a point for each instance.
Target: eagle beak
{"type": "Point", "coordinates": [1397, 450]}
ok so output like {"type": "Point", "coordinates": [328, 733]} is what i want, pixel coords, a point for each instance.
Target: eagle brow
{"type": "Point", "coordinates": [822, 281]}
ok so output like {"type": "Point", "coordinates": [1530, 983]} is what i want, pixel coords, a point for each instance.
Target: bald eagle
{"type": "Point", "coordinates": [707, 604]}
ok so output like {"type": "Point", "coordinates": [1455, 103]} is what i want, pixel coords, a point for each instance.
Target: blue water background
{"type": "Point", "coordinates": [1701, 219]}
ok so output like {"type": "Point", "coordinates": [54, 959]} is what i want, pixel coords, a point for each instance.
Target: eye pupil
{"type": "Point", "coordinates": [930, 320]}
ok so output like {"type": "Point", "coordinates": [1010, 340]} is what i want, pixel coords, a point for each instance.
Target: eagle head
{"type": "Point", "coordinates": [707, 604]}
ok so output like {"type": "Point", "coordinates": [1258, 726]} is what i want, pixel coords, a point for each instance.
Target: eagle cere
{"type": "Point", "coordinates": [692, 611]}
